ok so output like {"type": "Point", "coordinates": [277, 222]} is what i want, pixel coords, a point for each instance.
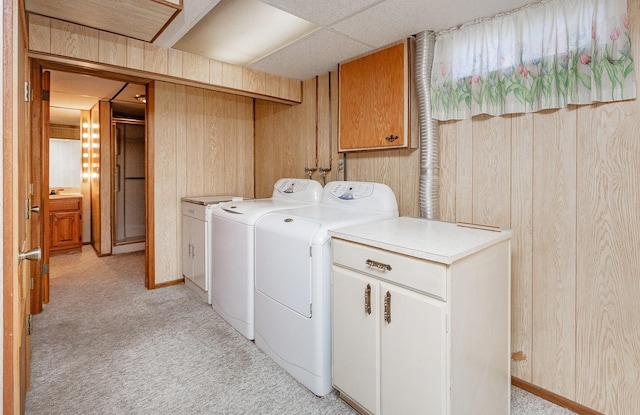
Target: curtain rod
{"type": "Point", "coordinates": [497, 16]}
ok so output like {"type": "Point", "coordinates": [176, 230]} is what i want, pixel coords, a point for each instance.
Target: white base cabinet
{"type": "Point", "coordinates": [425, 333]}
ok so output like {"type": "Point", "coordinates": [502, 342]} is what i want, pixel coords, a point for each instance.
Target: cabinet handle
{"type": "Point", "coordinates": [387, 307]}
{"type": "Point", "coordinates": [378, 265]}
{"type": "Point", "coordinates": [193, 248]}
{"type": "Point", "coordinates": [391, 138]}
{"type": "Point", "coordinates": [367, 299]}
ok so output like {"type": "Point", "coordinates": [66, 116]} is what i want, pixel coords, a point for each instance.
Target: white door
{"type": "Point", "coordinates": [412, 353]}
{"type": "Point", "coordinates": [355, 337]}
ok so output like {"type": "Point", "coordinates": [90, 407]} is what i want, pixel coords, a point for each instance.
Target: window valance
{"type": "Point", "coordinates": [548, 55]}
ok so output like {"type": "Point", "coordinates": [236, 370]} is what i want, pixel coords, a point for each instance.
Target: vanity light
{"type": "Point", "coordinates": [141, 98]}
{"type": "Point", "coordinates": [85, 136]}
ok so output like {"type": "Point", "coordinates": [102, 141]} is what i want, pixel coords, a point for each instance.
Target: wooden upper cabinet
{"type": "Point", "coordinates": [375, 100]}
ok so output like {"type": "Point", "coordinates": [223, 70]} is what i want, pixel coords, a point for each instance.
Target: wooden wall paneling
{"type": "Point", "coordinates": [195, 68]}
{"type": "Point", "coordinates": [174, 63]}
{"type": "Point", "coordinates": [74, 41]}
{"type": "Point", "coordinates": [375, 166]}
{"type": "Point", "coordinates": [253, 81]}
{"type": "Point", "coordinates": [106, 176]}
{"type": "Point", "coordinates": [464, 171]}
{"type": "Point", "coordinates": [135, 54]}
{"type": "Point", "coordinates": [408, 185]}
{"type": "Point", "coordinates": [39, 33]}
{"type": "Point", "coordinates": [180, 119]}
{"type": "Point", "coordinates": [58, 41]}
{"type": "Point", "coordinates": [243, 146]}
{"type": "Point", "coordinates": [179, 93]}
{"type": "Point", "coordinates": [608, 267]}
{"type": "Point", "coordinates": [195, 141]}
{"type": "Point", "coordinates": [112, 49]}
{"type": "Point", "coordinates": [448, 169]}
{"type": "Point", "coordinates": [215, 72]}
{"type": "Point", "coordinates": [521, 245]}
{"type": "Point", "coordinates": [214, 144]}
{"type": "Point", "coordinates": [554, 251]}
{"type": "Point", "coordinates": [492, 170]}
{"type": "Point", "coordinates": [285, 140]}
{"type": "Point", "coordinates": [155, 59]}
{"type": "Point", "coordinates": [165, 190]}
{"type": "Point", "coordinates": [325, 158]}
{"type": "Point", "coordinates": [265, 127]}
{"type": "Point", "coordinates": [232, 75]}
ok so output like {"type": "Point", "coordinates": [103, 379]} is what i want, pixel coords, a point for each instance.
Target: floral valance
{"type": "Point", "coordinates": [548, 55]}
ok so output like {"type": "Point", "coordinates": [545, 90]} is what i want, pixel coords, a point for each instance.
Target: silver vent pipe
{"type": "Point", "coordinates": [429, 138]}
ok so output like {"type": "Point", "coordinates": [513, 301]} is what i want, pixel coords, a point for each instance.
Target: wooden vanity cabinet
{"type": "Point", "coordinates": [65, 225]}
{"type": "Point", "coordinates": [375, 100]}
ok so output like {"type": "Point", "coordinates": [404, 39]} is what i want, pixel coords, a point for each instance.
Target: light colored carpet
{"type": "Point", "coordinates": [107, 345]}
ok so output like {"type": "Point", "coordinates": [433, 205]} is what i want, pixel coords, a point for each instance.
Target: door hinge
{"type": "Point", "coordinates": [27, 91]}
{"type": "Point", "coordinates": [45, 95]}
{"type": "Point", "coordinates": [311, 309]}
{"type": "Point", "coordinates": [29, 324]}
{"type": "Point", "coordinates": [44, 269]}
{"type": "Point", "coordinates": [31, 283]}
{"type": "Point", "coordinates": [310, 251]}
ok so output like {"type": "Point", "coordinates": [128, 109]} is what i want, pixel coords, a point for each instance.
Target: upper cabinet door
{"type": "Point", "coordinates": [375, 100]}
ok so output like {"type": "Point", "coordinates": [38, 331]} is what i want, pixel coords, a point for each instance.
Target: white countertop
{"type": "Point", "coordinates": [438, 241]}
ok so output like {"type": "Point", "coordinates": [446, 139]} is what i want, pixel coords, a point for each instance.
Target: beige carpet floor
{"type": "Point", "coordinates": [107, 345]}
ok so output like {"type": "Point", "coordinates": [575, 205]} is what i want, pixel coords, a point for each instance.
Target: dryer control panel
{"type": "Point", "coordinates": [297, 189]}
{"type": "Point", "coordinates": [369, 196]}
{"type": "Point", "coordinates": [351, 190]}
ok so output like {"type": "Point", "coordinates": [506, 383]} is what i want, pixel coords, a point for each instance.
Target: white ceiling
{"type": "Point", "coordinates": [71, 93]}
{"type": "Point", "coordinates": [348, 28]}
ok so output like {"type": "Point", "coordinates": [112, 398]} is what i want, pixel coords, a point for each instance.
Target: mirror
{"type": "Point", "coordinates": [65, 157]}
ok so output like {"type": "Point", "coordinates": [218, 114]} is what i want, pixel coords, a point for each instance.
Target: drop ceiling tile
{"type": "Point", "coordinates": [325, 12]}
{"type": "Point", "coordinates": [392, 20]}
{"type": "Point", "coordinates": [316, 54]}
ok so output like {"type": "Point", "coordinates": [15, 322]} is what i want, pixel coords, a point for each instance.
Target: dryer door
{"type": "Point", "coordinates": [283, 260]}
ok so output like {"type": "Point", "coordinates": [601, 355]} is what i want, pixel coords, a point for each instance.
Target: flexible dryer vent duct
{"type": "Point", "coordinates": [429, 141]}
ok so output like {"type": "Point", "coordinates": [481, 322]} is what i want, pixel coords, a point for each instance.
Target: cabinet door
{"type": "Point", "coordinates": [355, 334]}
{"type": "Point", "coordinates": [412, 353]}
{"type": "Point", "coordinates": [187, 244]}
{"type": "Point", "coordinates": [198, 242]}
{"type": "Point", "coordinates": [374, 100]}
{"type": "Point", "coordinates": [65, 229]}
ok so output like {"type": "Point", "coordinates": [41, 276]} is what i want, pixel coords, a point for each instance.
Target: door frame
{"type": "Point", "coordinates": [149, 166]}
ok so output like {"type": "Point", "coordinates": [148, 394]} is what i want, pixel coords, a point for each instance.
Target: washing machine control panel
{"type": "Point", "coordinates": [350, 190]}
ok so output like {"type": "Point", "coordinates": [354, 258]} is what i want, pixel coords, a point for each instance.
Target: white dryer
{"type": "Point", "coordinates": [293, 276]}
{"type": "Point", "coordinates": [232, 248]}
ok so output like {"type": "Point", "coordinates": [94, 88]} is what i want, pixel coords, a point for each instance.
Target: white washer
{"type": "Point", "coordinates": [293, 276]}
{"type": "Point", "coordinates": [232, 248]}
{"type": "Point", "coordinates": [196, 241]}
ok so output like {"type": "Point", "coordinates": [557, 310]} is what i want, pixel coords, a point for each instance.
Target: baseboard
{"type": "Point", "coordinates": [553, 397]}
{"type": "Point", "coordinates": [168, 283]}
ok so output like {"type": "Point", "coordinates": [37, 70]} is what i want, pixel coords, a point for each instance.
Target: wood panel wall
{"type": "Point", "coordinates": [568, 183]}
{"type": "Point", "coordinates": [202, 145]}
{"type": "Point", "coordinates": [94, 49]}
{"type": "Point", "coordinates": [292, 138]}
